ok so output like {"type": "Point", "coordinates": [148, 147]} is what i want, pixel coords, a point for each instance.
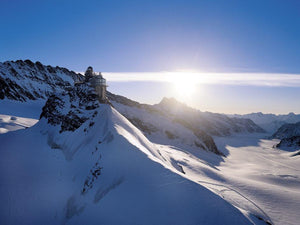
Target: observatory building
{"type": "Point", "coordinates": [97, 81]}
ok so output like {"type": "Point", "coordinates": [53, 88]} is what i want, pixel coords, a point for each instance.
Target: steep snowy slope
{"type": "Point", "coordinates": [270, 122]}
{"type": "Point", "coordinates": [84, 163]}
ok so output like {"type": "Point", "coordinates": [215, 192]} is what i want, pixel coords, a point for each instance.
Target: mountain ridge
{"type": "Point", "coordinates": [25, 80]}
{"type": "Point", "coordinates": [270, 122]}
{"type": "Point", "coordinates": [52, 80]}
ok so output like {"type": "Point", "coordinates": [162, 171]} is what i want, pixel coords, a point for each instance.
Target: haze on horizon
{"type": "Point", "coordinates": [232, 56]}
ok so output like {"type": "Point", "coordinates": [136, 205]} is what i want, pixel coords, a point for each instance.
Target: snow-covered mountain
{"type": "Point", "coordinates": [25, 80]}
{"type": "Point", "coordinates": [84, 163]}
{"type": "Point", "coordinates": [168, 122]}
{"type": "Point", "coordinates": [287, 130]}
{"type": "Point", "coordinates": [87, 163]}
{"type": "Point", "coordinates": [213, 123]}
{"type": "Point", "coordinates": [174, 123]}
{"type": "Point", "coordinates": [289, 134]}
{"type": "Point", "coordinates": [24, 88]}
{"type": "Point", "coordinates": [270, 122]}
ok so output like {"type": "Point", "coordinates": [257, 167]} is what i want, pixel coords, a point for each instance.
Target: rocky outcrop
{"type": "Point", "coordinates": [289, 135]}
{"type": "Point", "coordinates": [71, 109]}
{"type": "Point", "coordinates": [291, 142]}
{"type": "Point", "coordinates": [287, 131]}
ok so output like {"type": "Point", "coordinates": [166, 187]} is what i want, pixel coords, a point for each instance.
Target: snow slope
{"type": "Point", "coordinates": [266, 175]}
{"type": "Point", "coordinates": [105, 171]}
{"type": "Point", "coordinates": [12, 123]}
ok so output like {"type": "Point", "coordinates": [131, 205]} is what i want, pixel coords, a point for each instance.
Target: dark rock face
{"type": "Point", "coordinates": [287, 131]}
{"type": "Point", "coordinates": [25, 80]}
{"type": "Point", "coordinates": [12, 90]}
{"type": "Point", "coordinates": [95, 172]}
{"type": "Point", "coordinates": [58, 112]}
{"type": "Point", "coordinates": [289, 135]}
{"type": "Point", "coordinates": [293, 141]}
{"type": "Point", "coordinates": [72, 121]}
{"type": "Point", "coordinates": [208, 141]}
{"type": "Point", "coordinates": [204, 137]}
{"type": "Point", "coordinates": [52, 110]}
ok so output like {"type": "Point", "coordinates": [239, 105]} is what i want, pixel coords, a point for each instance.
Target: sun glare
{"type": "Point", "coordinates": [184, 83]}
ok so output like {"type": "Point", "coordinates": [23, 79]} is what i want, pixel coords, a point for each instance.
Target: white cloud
{"type": "Point", "coordinates": [254, 79]}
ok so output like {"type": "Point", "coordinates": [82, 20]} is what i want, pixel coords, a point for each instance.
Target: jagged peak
{"type": "Point", "coordinates": [39, 65]}
{"type": "Point", "coordinates": [25, 80]}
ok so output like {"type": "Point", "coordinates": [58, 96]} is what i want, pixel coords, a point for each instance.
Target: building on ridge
{"type": "Point", "coordinates": [96, 80]}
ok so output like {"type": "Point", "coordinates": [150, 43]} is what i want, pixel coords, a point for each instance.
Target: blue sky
{"type": "Point", "coordinates": [154, 36]}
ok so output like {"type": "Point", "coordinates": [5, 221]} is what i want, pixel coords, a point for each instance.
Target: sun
{"type": "Point", "coordinates": [184, 84]}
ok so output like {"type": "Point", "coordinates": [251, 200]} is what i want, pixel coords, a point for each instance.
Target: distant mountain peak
{"type": "Point", "coordinates": [170, 102]}
{"type": "Point", "coordinates": [270, 122]}
{"type": "Point", "coordinates": [291, 114]}
{"type": "Point", "coordinates": [172, 105]}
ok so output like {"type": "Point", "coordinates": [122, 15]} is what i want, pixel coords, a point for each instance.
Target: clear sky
{"type": "Point", "coordinates": [244, 36]}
